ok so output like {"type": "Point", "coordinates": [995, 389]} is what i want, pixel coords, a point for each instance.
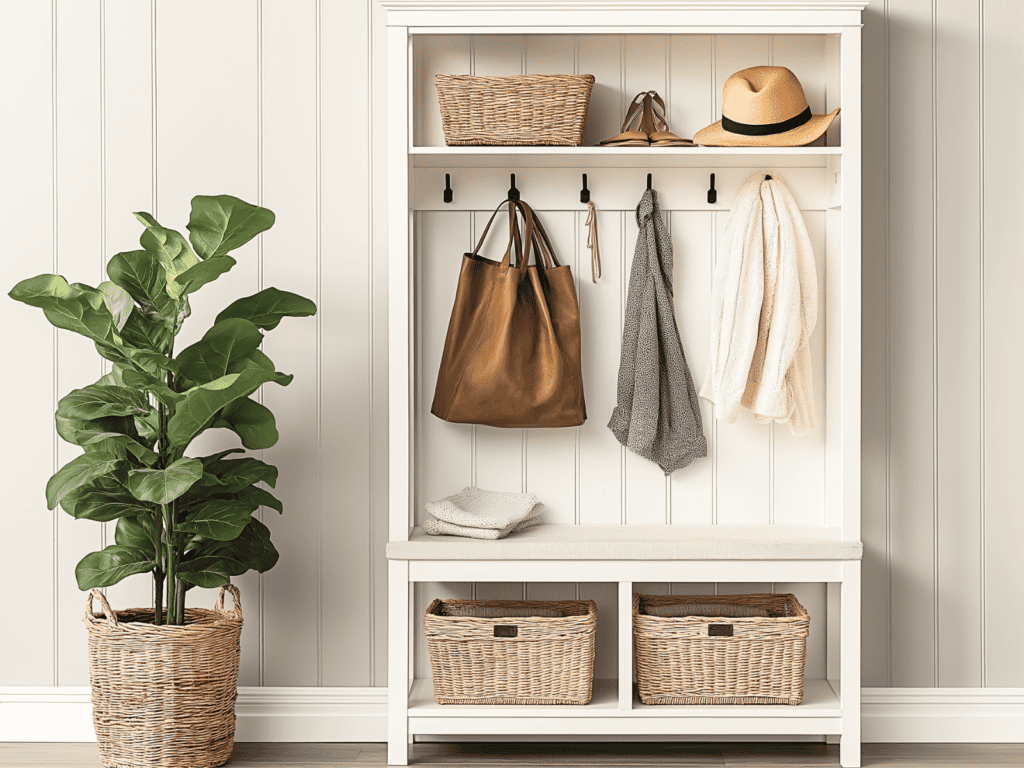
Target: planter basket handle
{"type": "Point", "coordinates": [107, 610]}
{"type": "Point", "coordinates": [219, 605]}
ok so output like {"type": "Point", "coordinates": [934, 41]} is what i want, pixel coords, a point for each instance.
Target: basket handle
{"type": "Point", "coordinates": [219, 605]}
{"type": "Point", "coordinates": [107, 610]}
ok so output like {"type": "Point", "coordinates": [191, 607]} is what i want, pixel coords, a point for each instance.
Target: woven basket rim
{"type": "Point", "coordinates": [799, 612]}
{"type": "Point", "coordinates": [514, 78]}
{"type": "Point", "coordinates": [589, 605]}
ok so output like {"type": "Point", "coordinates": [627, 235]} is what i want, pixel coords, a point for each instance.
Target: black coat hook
{"type": "Point", "coordinates": [584, 193]}
{"type": "Point", "coordinates": [648, 181]}
{"type": "Point", "coordinates": [768, 178]}
{"type": "Point", "coordinates": [712, 194]}
{"type": "Point", "coordinates": [513, 193]}
{"type": "Point", "coordinates": [447, 188]}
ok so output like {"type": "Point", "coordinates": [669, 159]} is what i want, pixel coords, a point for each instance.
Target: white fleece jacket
{"type": "Point", "coordinates": [764, 309]}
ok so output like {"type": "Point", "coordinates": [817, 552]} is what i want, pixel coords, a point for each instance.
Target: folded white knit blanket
{"type": "Point", "coordinates": [436, 527]}
{"type": "Point", "coordinates": [477, 508]}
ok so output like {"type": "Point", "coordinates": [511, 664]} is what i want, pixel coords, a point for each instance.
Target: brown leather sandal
{"type": "Point", "coordinates": [661, 136]}
{"type": "Point", "coordinates": [640, 107]}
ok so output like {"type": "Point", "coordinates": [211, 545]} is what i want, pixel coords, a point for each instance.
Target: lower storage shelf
{"type": "Point", "coordinates": [819, 713]}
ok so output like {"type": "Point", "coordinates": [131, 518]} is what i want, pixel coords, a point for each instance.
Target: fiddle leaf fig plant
{"type": "Point", "coordinates": [186, 520]}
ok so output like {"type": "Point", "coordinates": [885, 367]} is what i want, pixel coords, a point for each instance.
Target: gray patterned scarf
{"type": "Point", "coordinates": [658, 414]}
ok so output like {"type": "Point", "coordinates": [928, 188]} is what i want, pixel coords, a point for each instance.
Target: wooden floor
{"type": "Point", "coordinates": [605, 755]}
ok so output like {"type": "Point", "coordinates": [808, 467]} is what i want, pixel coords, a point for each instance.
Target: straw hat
{"type": "Point", "coordinates": [764, 107]}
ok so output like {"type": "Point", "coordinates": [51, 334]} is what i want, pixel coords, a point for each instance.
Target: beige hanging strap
{"type": "Point", "coordinates": [595, 251]}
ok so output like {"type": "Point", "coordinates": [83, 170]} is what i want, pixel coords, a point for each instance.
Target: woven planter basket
{"type": "Point", "coordinates": [511, 652]}
{"type": "Point", "coordinates": [720, 649]}
{"type": "Point", "coordinates": [164, 697]}
{"type": "Point", "coordinates": [517, 110]}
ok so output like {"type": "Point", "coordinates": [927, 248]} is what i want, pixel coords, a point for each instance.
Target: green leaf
{"type": "Point", "coordinates": [75, 473]}
{"type": "Point", "coordinates": [224, 345]}
{"type": "Point", "coordinates": [142, 275]}
{"type": "Point", "coordinates": [204, 272]}
{"type": "Point", "coordinates": [216, 562]}
{"type": "Point", "coordinates": [118, 446]}
{"type": "Point", "coordinates": [221, 223]}
{"type": "Point", "coordinates": [101, 569]}
{"type": "Point", "coordinates": [151, 383]}
{"type": "Point", "coordinates": [219, 519]}
{"type": "Point", "coordinates": [213, 457]}
{"type": "Point", "coordinates": [266, 308]}
{"type": "Point", "coordinates": [137, 531]}
{"type": "Point", "coordinates": [260, 496]}
{"type": "Point", "coordinates": [161, 486]}
{"type": "Point", "coordinates": [145, 333]}
{"type": "Point", "coordinates": [118, 302]}
{"type": "Point", "coordinates": [102, 500]}
{"type": "Point", "coordinates": [81, 431]}
{"type": "Point", "coordinates": [255, 359]}
{"type": "Point", "coordinates": [197, 410]}
{"type": "Point", "coordinates": [98, 400]}
{"type": "Point", "coordinates": [236, 474]}
{"type": "Point", "coordinates": [252, 422]}
{"type": "Point", "coordinates": [170, 248]}
{"type": "Point", "coordinates": [76, 307]}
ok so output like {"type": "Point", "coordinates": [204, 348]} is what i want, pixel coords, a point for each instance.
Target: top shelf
{"type": "Point", "coordinates": [620, 157]}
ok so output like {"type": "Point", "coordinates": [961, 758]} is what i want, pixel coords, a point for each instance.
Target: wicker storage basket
{"type": "Point", "coordinates": [511, 652]}
{"type": "Point", "coordinates": [518, 110]}
{"type": "Point", "coordinates": [727, 649]}
{"type": "Point", "coordinates": [164, 696]}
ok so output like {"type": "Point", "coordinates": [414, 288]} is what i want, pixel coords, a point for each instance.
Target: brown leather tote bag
{"type": "Point", "coordinates": [512, 354]}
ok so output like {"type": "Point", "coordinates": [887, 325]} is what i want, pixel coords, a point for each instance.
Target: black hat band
{"type": "Point", "coordinates": [748, 129]}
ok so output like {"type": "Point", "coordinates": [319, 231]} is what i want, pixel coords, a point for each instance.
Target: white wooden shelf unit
{"type": "Point", "coordinates": [808, 538]}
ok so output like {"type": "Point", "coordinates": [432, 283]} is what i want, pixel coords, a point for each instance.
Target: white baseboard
{"type": "Point", "coordinates": [951, 715]}
{"type": "Point", "coordinates": [964, 715]}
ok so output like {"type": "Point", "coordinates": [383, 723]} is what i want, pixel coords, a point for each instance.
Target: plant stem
{"type": "Point", "coordinates": [180, 588]}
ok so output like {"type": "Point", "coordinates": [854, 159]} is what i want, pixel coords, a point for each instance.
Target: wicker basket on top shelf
{"type": "Point", "coordinates": [520, 110]}
{"type": "Point", "coordinates": [720, 649]}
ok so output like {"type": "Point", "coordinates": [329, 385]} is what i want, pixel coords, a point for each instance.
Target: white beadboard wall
{"type": "Point", "coordinates": [112, 106]}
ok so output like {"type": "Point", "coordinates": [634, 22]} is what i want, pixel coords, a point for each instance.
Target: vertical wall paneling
{"type": "Point", "coordinates": [444, 455]}
{"type": "Point", "coordinates": [80, 259]}
{"type": "Point", "coordinates": [376, 198]}
{"type": "Point", "coordinates": [958, 264]}
{"type": "Point", "coordinates": [733, 53]}
{"type": "Point", "coordinates": [293, 253]}
{"type": "Point", "coordinates": [874, 350]}
{"type": "Point", "coordinates": [599, 55]}
{"type": "Point", "coordinates": [1002, 453]}
{"type": "Point", "coordinates": [691, 487]}
{"type": "Point", "coordinates": [345, 351]}
{"type": "Point", "coordinates": [798, 465]}
{"type": "Point", "coordinates": [208, 145]}
{"type": "Point", "coordinates": [690, 79]}
{"type": "Point", "coordinates": [912, 335]}
{"type": "Point", "coordinates": [126, 120]}
{"type": "Point", "coordinates": [27, 121]}
{"type": "Point", "coordinates": [742, 451]}
{"type": "Point", "coordinates": [601, 306]}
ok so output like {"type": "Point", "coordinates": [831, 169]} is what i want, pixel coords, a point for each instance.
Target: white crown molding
{"type": "Point", "coordinates": [967, 715]}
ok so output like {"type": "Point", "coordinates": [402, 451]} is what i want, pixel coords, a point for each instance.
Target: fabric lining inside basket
{"type": "Point", "coordinates": [494, 612]}
{"type": "Point", "coordinates": [725, 610]}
